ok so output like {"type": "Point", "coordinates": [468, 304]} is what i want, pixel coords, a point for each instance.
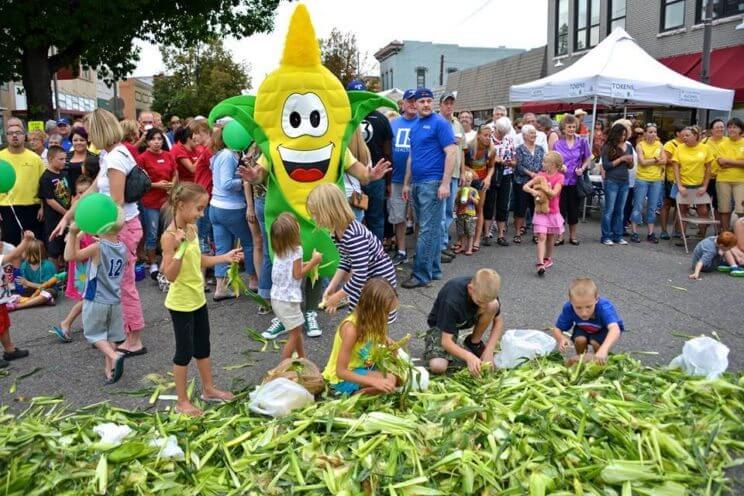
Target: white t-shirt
{"type": "Point", "coordinates": [541, 140]}
{"type": "Point", "coordinates": [7, 278]}
{"type": "Point", "coordinates": [284, 287]}
{"type": "Point", "coordinates": [119, 159]}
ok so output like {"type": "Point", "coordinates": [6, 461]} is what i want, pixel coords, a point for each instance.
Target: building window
{"type": "Point", "coordinates": [561, 27]}
{"type": "Point", "coordinates": [672, 14]}
{"type": "Point", "coordinates": [616, 18]}
{"type": "Point", "coordinates": [420, 77]}
{"type": "Point", "coordinates": [721, 8]}
{"type": "Point", "coordinates": [586, 34]}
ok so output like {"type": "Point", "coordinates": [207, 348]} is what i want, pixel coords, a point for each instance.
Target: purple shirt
{"type": "Point", "coordinates": [572, 157]}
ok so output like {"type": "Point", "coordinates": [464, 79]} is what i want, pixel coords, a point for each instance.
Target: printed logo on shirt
{"type": "Point", "coordinates": [403, 138]}
{"type": "Point", "coordinates": [589, 327]}
{"type": "Point", "coordinates": [368, 131]}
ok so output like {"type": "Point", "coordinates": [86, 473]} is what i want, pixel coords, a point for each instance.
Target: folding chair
{"type": "Point", "coordinates": [693, 201]}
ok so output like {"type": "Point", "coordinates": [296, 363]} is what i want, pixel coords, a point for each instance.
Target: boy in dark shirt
{"type": "Point", "coordinates": [55, 192]}
{"type": "Point", "coordinates": [462, 303]}
{"type": "Point", "coordinates": [594, 320]}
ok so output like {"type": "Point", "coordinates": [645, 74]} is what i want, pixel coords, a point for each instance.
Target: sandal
{"type": "Point", "coordinates": [559, 242]}
{"type": "Point", "coordinates": [574, 242]}
{"type": "Point", "coordinates": [517, 239]}
{"type": "Point", "coordinates": [501, 241]}
{"type": "Point", "coordinates": [458, 249]}
{"type": "Point", "coordinates": [476, 248]}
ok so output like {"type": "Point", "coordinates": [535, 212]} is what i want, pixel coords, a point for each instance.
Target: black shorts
{"type": "Point", "coordinates": [668, 185]}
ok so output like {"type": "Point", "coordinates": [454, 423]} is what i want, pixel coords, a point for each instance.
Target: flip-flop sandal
{"type": "Point", "coordinates": [468, 254]}
{"type": "Point", "coordinates": [223, 297]}
{"type": "Point", "coordinates": [476, 248]}
{"type": "Point", "coordinates": [210, 399]}
{"type": "Point", "coordinates": [458, 250]}
{"type": "Point", "coordinates": [128, 354]}
{"type": "Point", "coordinates": [118, 369]}
{"type": "Point", "coordinates": [517, 239]}
{"type": "Point", "coordinates": [64, 338]}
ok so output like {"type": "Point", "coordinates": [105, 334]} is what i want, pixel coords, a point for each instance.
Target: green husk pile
{"type": "Point", "coordinates": [539, 429]}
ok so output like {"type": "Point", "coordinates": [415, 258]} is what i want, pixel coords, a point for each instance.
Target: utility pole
{"type": "Point", "coordinates": [705, 66]}
{"type": "Point", "coordinates": [441, 70]}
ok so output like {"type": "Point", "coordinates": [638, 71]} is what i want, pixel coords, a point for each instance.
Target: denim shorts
{"type": "Point", "coordinates": [348, 387]}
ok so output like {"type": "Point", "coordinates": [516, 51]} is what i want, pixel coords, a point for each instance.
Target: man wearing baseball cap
{"type": "Point", "coordinates": [64, 129]}
{"type": "Point", "coordinates": [427, 182]}
{"type": "Point", "coordinates": [397, 206]}
{"type": "Point", "coordinates": [447, 110]}
{"type": "Point", "coordinates": [378, 136]}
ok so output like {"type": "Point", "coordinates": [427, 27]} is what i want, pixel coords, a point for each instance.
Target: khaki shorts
{"type": "Point", "coordinates": [102, 322]}
{"type": "Point", "coordinates": [289, 313]}
{"type": "Point", "coordinates": [396, 204]}
{"type": "Point", "coordinates": [728, 192]}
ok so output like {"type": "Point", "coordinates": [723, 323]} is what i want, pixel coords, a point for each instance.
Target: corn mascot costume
{"type": "Point", "coordinates": [301, 119]}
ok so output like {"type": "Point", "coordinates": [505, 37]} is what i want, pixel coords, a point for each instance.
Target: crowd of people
{"type": "Point", "coordinates": [453, 185]}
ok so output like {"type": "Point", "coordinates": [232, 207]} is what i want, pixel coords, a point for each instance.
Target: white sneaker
{"type": "Point", "coordinates": [154, 269]}
{"type": "Point", "coordinates": [275, 330]}
{"type": "Point", "coordinates": [312, 326]}
{"type": "Point", "coordinates": [621, 242]}
{"type": "Point", "coordinates": [607, 242]}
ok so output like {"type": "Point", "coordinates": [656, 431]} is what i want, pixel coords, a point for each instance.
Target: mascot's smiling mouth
{"type": "Point", "coordinates": [306, 166]}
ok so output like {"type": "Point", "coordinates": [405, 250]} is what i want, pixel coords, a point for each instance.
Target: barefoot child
{"type": "Point", "coordinates": [37, 278]}
{"type": "Point", "coordinates": [547, 226]}
{"type": "Point", "coordinates": [102, 321]}
{"type": "Point", "coordinates": [182, 265]}
{"type": "Point", "coordinates": [594, 321]}
{"type": "Point", "coordinates": [349, 370]}
{"type": "Point", "coordinates": [10, 256]}
{"type": "Point", "coordinates": [77, 273]}
{"type": "Point", "coordinates": [466, 207]}
{"type": "Point", "coordinates": [287, 273]}
{"type": "Point", "coordinates": [711, 251]}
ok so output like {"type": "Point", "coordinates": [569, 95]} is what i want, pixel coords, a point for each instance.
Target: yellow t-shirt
{"type": "Point", "coordinates": [692, 160]}
{"type": "Point", "coordinates": [28, 167]}
{"type": "Point", "coordinates": [653, 172]}
{"type": "Point", "coordinates": [186, 293]}
{"type": "Point", "coordinates": [669, 147]}
{"type": "Point", "coordinates": [715, 147]}
{"type": "Point", "coordinates": [360, 353]}
{"type": "Point", "coordinates": [733, 150]}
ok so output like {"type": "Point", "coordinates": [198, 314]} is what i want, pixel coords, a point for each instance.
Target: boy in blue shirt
{"type": "Point", "coordinates": [594, 320]}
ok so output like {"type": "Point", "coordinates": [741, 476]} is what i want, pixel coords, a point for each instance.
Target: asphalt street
{"type": "Point", "coordinates": [648, 284]}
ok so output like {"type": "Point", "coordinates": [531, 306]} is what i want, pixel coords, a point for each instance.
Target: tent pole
{"type": "Point", "coordinates": [594, 123]}
{"type": "Point", "coordinates": [625, 112]}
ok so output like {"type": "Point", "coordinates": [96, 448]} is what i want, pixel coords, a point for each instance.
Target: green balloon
{"type": "Point", "coordinates": [235, 136]}
{"type": "Point", "coordinates": [96, 213]}
{"type": "Point", "coordinates": [7, 176]}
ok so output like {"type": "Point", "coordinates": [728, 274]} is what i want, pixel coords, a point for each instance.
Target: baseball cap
{"type": "Point", "coordinates": [423, 93]}
{"type": "Point", "coordinates": [63, 122]}
{"type": "Point", "coordinates": [449, 94]}
{"type": "Point", "coordinates": [409, 94]}
{"type": "Point", "coordinates": [356, 85]}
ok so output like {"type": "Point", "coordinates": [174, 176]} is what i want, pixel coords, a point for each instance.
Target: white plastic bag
{"type": "Point", "coordinates": [169, 448]}
{"type": "Point", "coordinates": [278, 397]}
{"type": "Point", "coordinates": [702, 356]}
{"type": "Point", "coordinates": [519, 345]}
{"type": "Point", "coordinates": [111, 434]}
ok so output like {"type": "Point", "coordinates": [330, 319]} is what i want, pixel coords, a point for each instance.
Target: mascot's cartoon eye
{"type": "Point", "coordinates": [304, 115]}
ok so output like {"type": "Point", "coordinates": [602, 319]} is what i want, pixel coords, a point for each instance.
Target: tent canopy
{"type": "Point", "coordinates": [619, 72]}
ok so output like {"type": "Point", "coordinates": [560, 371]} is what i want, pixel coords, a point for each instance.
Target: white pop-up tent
{"type": "Point", "coordinates": [619, 72]}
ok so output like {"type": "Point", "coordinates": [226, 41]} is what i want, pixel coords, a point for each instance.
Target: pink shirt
{"type": "Point", "coordinates": [554, 202]}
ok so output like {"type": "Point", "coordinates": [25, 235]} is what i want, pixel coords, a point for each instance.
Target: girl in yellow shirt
{"type": "Point", "coordinates": [350, 369]}
{"type": "Point", "coordinates": [692, 162]}
{"type": "Point", "coordinates": [730, 184]}
{"type": "Point", "coordinates": [649, 183]}
{"type": "Point", "coordinates": [182, 264]}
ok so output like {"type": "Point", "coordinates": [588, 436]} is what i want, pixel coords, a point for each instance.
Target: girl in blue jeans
{"type": "Point", "coordinates": [227, 213]}
{"type": "Point", "coordinates": [617, 160]}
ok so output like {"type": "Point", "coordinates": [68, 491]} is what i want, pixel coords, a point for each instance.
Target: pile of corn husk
{"type": "Point", "coordinates": [538, 429]}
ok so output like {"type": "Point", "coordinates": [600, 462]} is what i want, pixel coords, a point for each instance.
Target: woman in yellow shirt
{"type": "Point", "coordinates": [692, 161]}
{"type": "Point", "coordinates": [649, 182]}
{"type": "Point", "coordinates": [730, 184]}
{"type": "Point", "coordinates": [669, 203]}
{"type": "Point", "coordinates": [715, 139]}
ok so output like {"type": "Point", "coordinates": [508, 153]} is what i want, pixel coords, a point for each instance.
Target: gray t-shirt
{"type": "Point", "coordinates": [104, 279]}
{"type": "Point", "coordinates": [706, 251]}
{"type": "Point", "coordinates": [619, 173]}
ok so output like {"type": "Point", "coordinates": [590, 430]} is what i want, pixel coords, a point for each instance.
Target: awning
{"type": "Point", "coordinates": [554, 108]}
{"type": "Point", "coordinates": [726, 69]}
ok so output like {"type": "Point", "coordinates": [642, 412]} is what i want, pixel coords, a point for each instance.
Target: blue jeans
{"type": "Point", "coordinates": [643, 189]}
{"type": "Point", "coordinates": [449, 208]}
{"type": "Point", "coordinates": [264, 278]}
{"type": "Point", "coordinates": [205, 233]}
{"type": "Point", "coordinates": [615, 195]}
{"type": "Point", "coordinates": [227, 225]}
{"type": "Point", "coordinates": [429, 211]}
{"type": "Point", "coordinates": [151, 220]}
{"type": "Point", "coordinates": [375, 213]}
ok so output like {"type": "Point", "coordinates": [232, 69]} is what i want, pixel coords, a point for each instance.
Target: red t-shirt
{"type": "Point", "coordinates": [160, 167]}
{"type": "Point", "coordinates": [132, 149]}
{"type": "Point", "coordinates": [180, 151]}
{"type": "Point", "coordinates": [203, 176]}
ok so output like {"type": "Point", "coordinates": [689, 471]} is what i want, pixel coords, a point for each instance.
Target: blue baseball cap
{"type": "Point", "coordinates": [356, 85]}
{"type": "Point", "coordinates": [423, 93]}
{"type": "Point", "coordinates": [63, 122]}
{"type": "Point", "coordinates": [409, 94]}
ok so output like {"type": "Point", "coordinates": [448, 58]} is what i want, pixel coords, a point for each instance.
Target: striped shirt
{"type": "Point", "coordinates": [362, 255]}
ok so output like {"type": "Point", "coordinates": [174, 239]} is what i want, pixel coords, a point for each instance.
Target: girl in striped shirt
{"type": "Point", "coordinates": [362, 254]}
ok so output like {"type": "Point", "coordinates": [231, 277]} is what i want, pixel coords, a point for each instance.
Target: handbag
{"type": "Point", "coordinates": [138, 183]}
{"type": "Point", "coordinates": [359, 200]}
{"type": "Point", "coordinates": [584, 186]}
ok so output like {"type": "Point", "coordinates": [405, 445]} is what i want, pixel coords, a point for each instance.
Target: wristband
{"type": "Point", "coordinates": [181, 250]}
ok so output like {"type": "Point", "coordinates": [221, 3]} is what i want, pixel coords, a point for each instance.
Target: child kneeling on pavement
{"type": "Point", "coordinates": [594, 321]}
{"type": "Point", "coordinates": [462, 303]}
{"type": "Point", "coordinates": [710, 252]}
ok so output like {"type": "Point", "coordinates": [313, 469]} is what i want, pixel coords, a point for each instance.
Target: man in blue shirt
{"type": "Point", "coordinates": [397, 207]}
{"type": "Point", "coordinates": [64, 130]}
{"type": "Point", "coordinates": [427, 183]}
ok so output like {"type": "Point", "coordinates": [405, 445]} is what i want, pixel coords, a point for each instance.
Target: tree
{"type": "Point", "coordinates": [199, 78]}
{"type": "Point", "coordinates": [340, 55]}
{"type": "Point", "coordinates": [101, 34]}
